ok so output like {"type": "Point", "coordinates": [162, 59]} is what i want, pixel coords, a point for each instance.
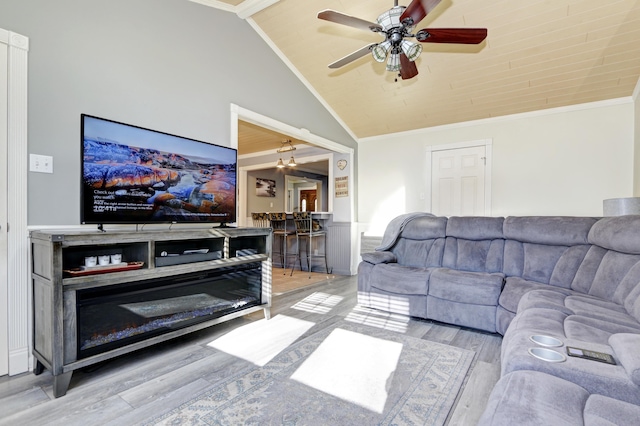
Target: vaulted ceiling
{"type": "Point", "coordinates": [538, 54]}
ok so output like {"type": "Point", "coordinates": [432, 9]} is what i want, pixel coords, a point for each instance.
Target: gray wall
{"type": "Point", "coordinates": [168, 65]}
{"type": "Point", "coordinates": [263, 204]}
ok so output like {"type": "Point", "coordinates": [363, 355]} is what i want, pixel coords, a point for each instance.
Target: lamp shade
{"type": "Point", "coordinates": [621, 206]}
{"type": "Point", "coordinates": [292, 162]}
{"type": "Point", "coordinates": [280, 164]}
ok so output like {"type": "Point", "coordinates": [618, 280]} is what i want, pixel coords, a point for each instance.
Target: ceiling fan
{"type": "Point", "coordinates": [397, 24]}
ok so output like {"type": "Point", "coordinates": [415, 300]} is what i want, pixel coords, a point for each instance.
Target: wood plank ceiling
{"type": "Point", "coordinates": [539, 54]}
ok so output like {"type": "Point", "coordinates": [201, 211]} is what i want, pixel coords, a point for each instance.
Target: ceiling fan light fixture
{"type": "Point", "coordinates": [411, 50]}
{"type": "Point", "coordinates": [381, 50]}
{"type": "Point", "coordinates": [292, 162]}
{"type": "Point", "coordinates": [280, 164]}
{"type": "Point", "coordinates": [393, 64]}
{"type": "Point", "coordinates": [391, 18]}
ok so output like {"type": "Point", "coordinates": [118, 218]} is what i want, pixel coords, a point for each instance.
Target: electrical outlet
{"type": "Point", "coordinates": [40, 163]}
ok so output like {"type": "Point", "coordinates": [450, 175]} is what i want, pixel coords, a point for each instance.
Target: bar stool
{"type": "Point", "coordinates": [306, 228]}
{"type": "Point", "coordinates": [279, 226]}
{"type": "Point", "coordinates": [260, 220]}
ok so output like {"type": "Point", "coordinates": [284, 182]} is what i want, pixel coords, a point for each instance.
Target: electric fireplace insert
{"type": "Point", "coordinates": [115, 316]}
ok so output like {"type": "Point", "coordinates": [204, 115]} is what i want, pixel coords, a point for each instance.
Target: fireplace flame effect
{"type": "Point", "coordinates": [167, 321]}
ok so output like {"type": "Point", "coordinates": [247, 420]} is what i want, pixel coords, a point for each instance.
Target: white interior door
{"type": "Point", "coordinates": [458, 181]}
{"type": "Point", "coordinates": [4, 289]}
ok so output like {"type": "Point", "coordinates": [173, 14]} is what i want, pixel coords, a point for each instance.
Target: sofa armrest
{"type": "Point", "coordinates": [377, 257]}
{"type": "Point", "coordinates": [625, 346]}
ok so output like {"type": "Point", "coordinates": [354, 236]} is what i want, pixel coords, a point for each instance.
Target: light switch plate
{"type": "Point", "coordinates": [40, 163]}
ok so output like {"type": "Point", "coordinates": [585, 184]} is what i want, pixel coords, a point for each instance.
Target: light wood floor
{"type": "Point", "coordinates": [141, 385]}
{"type": "Point", "coordinates": [283, 281]}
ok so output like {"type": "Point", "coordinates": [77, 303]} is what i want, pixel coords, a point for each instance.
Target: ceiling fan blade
{"type": "Point", "coordinates": [418, 9]}
{"type": "Point", "coordinates": [351, 21]}
{"type": "Point", "coordinates": [452, 35]}
{"type": "Point", "coordinates": [408, 69]}
{"type": "Point", "coordinates": [352, 56]}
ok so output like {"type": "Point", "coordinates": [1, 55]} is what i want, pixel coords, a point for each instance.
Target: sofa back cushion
{"type": "Point", "coordinates": [618, 233]}
{"type": "Point", "coordinates": [608, 274]}
{"type": "Point", "coordinates": [615, 257]}
{"type": "Point", "coordinates": [546, 249]}
{"type": "Point", "coordinates": [421, 242]}
{"type": "Point", "coordinates": [474, 244]}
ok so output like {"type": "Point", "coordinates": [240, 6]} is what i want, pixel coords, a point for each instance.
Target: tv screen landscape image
{"type": "Point", "coordinates": [135, 175]}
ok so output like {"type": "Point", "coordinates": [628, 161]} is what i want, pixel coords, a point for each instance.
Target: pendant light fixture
{"type": "Point", "coordinates": [287, 146]}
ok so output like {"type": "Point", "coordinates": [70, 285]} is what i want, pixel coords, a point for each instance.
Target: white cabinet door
{"type": "Point", "coordinates": [458, 182]}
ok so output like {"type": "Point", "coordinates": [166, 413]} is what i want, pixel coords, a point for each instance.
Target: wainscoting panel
{"type": "Point", "coordinates": [339, 247]}
{"type": "Point", "coordinates": [368, 244]}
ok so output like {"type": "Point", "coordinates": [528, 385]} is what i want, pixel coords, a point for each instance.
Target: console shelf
{"type": "Point", "coordinates": [184, 280]}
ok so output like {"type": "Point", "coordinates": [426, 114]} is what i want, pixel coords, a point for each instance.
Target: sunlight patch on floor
{"type": "Point", "coordinates": [318, 302]}
{"type": "Point", "coordinates": [379, 319]}
{"type": "Point", "coordinates": [260, 341]}
{"type": "Point", "coordinates": [353, 367]}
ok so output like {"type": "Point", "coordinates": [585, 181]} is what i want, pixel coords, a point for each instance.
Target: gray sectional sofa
{"type": "Point", "coordinates": [574, 279]}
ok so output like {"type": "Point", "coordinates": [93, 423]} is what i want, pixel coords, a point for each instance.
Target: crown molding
{"type": "Point", "coordinates": [300, 77]}
{"type": "Point", "coordinates": [250, 7]}
{"type": "Point", "coordinates": [216, 5]}
{"type": "Point", "coordinates": [244, 10]}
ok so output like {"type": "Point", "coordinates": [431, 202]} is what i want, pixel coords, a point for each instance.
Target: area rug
{"type": "Point", "coordinates": [345, 374]}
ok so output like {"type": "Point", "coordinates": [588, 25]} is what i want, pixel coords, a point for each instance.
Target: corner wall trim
{"type": "Point", "coordinates": [19, 294]}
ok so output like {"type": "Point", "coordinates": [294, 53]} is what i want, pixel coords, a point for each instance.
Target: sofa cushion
{"type": "Point", "coordinates": [419, 253]}
{"type": "Point", "coordinates": [475, 228]}
{"type": "Point", "coordinates": [473, 255]}
{"type": "Point", "coordinates": [543, 263]}
{"type": "Point", "coordinates": [544, 299]}
{"type": "Point", "coordinates": [577, 304]}
{"type": "Point", "coordinates": [476, 288]}
{"type": "Point", "coordinates": [549, 230]}
{"type": "Point", "coordinates": [619, 233]}
{"type": "Point", "coordinates": [596, 330]}
{"type": "Point", "coordinates": [626, 347]}
{"type": "Point", "coordinates": [515, 288]}
{"type": "Point", "coordinates": [481, 317]}
{"type": "Point", "coordinates": [395, 278]}
{"type": "Point", "coordinates": [533, 398]}
{"type": "Point", "coordinates": [425, 228]}
{"type": "Point", "coordinates": [595, 377]}
{"type": "Point", "coordinates": [379, 257]}
{"type": "Point", "coordinates": [632, 302]}
{"type": "Point", "coordinates": [603, 411]}
{"type": "Point", "coordinates": [616, 276]}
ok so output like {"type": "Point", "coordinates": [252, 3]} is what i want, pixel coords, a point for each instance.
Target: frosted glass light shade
{"type": "Point", "coordinates": [381, 50]}
{"type": "Point", "coordinates": [390, 18]}
{"type": "Point", "coordinates": [394, 62]}
{"type": "Point", "coordinates": [280, 163]}
{"type": "Point", "coordinates": [412, 50]}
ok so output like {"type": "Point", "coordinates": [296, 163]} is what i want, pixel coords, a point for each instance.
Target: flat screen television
{"type": "Point", "coordinates": [135, 175]}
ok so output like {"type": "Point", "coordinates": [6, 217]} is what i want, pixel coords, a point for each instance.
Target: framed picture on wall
{"type": "Point", "coordinates": [265, 187]}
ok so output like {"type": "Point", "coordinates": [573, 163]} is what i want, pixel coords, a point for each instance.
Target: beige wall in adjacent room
{"type": "Point", "coordinates": [554, 162]}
